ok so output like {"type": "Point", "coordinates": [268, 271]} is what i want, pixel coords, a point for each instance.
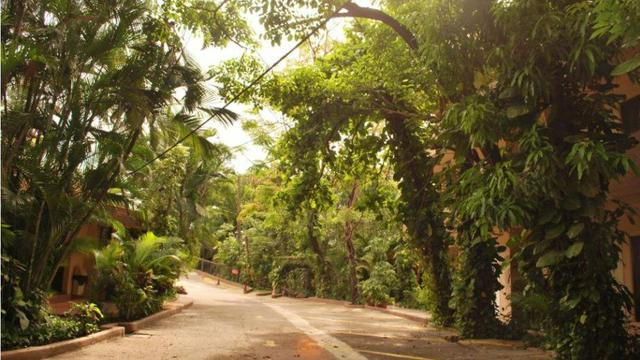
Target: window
{"type": "Point", "coordinates": [630, 111]}
{"type": "Point", "coordinates": [105, 234]}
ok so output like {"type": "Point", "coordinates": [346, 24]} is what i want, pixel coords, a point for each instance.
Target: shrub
{"type": "Point", "coordinates": [81, 320]}
{"type": "Point", "coordinates": [382, 281]}
{"type": "Point", "coordinates": [139, 275]}
{"type": "Point", "coordinates": [230, 255]}
{"type": "Point", "coordinates": [88, 314]}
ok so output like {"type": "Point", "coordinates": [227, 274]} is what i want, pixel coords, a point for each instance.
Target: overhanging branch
{"type": "Point", "coordinates": [357, 11]}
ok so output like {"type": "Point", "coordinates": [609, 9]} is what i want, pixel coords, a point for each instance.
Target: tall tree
{"type": "Point", "coordinates": [80, 80]}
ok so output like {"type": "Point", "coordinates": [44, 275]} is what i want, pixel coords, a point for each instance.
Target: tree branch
{"type": "Point", "coordinates": [357, 11]}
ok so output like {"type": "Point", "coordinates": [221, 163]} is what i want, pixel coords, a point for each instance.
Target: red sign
{"type": "Point", "coordinates": [235, 271]}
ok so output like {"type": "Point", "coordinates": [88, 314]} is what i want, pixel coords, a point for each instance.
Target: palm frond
{"type": "Point", "coordinates": [225, 116]}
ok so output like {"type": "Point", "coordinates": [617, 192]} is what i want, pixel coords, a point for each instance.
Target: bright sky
{"type": "Point", "coordinates": [234, 136]}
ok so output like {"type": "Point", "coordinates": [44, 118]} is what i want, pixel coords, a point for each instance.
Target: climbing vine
{"type": "Point", "coordinates": [420, 210]}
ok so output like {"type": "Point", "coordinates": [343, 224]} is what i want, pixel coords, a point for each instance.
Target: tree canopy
{"type": "Point", "coordinates": [412, 147]}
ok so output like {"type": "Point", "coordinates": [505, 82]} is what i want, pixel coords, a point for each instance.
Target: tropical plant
{"type": "Point", "coordinates": [138, 275]}
{"type": "Point", "coordinates": [81, 82]}
{"type": "Point", "coordinates": [174, 194]}
{"type": "Point", "coordinates": [46, 328]}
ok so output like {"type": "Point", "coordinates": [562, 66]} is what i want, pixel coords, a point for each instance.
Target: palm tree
{"type": "Point", "coordinates": [81, 81]}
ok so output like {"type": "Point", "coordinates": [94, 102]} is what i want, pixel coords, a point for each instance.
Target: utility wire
{"type": "Point", "coordinates": [241, 92]}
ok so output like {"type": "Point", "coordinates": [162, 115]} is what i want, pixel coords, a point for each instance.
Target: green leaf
{"type": "Point", "coordinates": [573, 139]}
{"type": "Point", "coordinates": [554, 232]}
{"type": "Point", "coordinates": [572, 303]}
{"type": "Point", "coordinates": [626, 66]}
{"type": "Point", "coordinates": [574, 250]}
{"type": "Point", "coordinates": [508, 93]}
{"type": "Point", "coordinates": [546, 217]}
{"type": "Point", "coordinates": [517, 110]}
{"type": "Point", "coordinates": [551, 258]}
{"type": "Point", "coordinates": [571, 203]}
{"type": "Point", "coordinates": [575, 230]}
{"type": "Point", "coordinates": [588, 189]}
{"type": "Point", "coordinates": [24, 321]}
{"type": "Point", "coordinates": [583, 319]}
{"type": "Point", "coordinates": [541, 246]}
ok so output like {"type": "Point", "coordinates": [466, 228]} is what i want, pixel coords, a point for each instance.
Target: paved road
{"type": "Point", "coordinates": [225, 324]}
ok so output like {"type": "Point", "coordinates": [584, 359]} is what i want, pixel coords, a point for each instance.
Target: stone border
{"type": "Point", "coordinates": [507, 344]}
{"type": "Point", "coordinates": [170, 309]}
{"type": "Point", "coordinates": [53, 349]}
{"type": "Point", "coordinates": [108, 331]}
{"type": "Point", "coordinates": [418, 319]}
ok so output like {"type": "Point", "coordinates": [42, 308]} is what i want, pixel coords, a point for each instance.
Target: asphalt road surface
{"type": "Point", "coordinates": [224, 323]}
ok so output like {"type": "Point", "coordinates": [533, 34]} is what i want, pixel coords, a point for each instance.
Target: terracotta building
{"type": "Point", "coordinates": [74, 276]}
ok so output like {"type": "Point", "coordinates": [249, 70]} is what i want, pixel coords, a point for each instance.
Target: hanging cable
{"type": "Point", "coordinates": [240, 93]}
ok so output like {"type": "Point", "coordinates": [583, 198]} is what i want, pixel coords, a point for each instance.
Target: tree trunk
{"type": "Point", "coordinates": [312, 236]}
{"type": "Point", "coordinates": [348, 239]}
{"type": "Point", "coordinates": [414, 169]}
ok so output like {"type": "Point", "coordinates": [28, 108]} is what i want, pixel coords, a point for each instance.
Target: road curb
{"type": "Point", "coordinates": [109, 331]}
{"type": "Point", "coordinates": [507, 344]}
{"type": "Point", "coordinates": [323, 300]}
{"type": "Point", "coordinates": [415, 318]}
{"type": "Point", "coordinates": [348, 304]}
{"type": "Point", "coordinates": [57, 348]}
{"type": "Point", "coordinates": [171, 309]}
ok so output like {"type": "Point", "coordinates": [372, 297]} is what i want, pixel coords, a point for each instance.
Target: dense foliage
{"type": "Point", "coordinates": [357, 250]}
{"type": "Point", "coordinates": [513, 103]}
{"type": "Point", "coordinates": [436, 145]}
{"type": "Point", "coordinates": [81, 320]}
{"type": "Point", "coordinates": [86, 84]}
{"type": "Point", "coordinates": [138, 275]}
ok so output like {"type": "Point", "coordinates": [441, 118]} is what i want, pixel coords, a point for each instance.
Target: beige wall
{"type": "Point", "coordinates": [627, 189]}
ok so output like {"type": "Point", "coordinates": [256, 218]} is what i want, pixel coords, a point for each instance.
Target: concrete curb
{"type": "Point", "coordinates": [109, 331]}
{"type": "Point", "coordinates": [323, 300]}
{"type": "Point", "coordinates": [171, 309]}
{"type": "Point", "coordinates": [508, 344]}
{"type": "Point", "coordinates": [418, 319]}
{"type": "Point", "coordinates": [53, 349]}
